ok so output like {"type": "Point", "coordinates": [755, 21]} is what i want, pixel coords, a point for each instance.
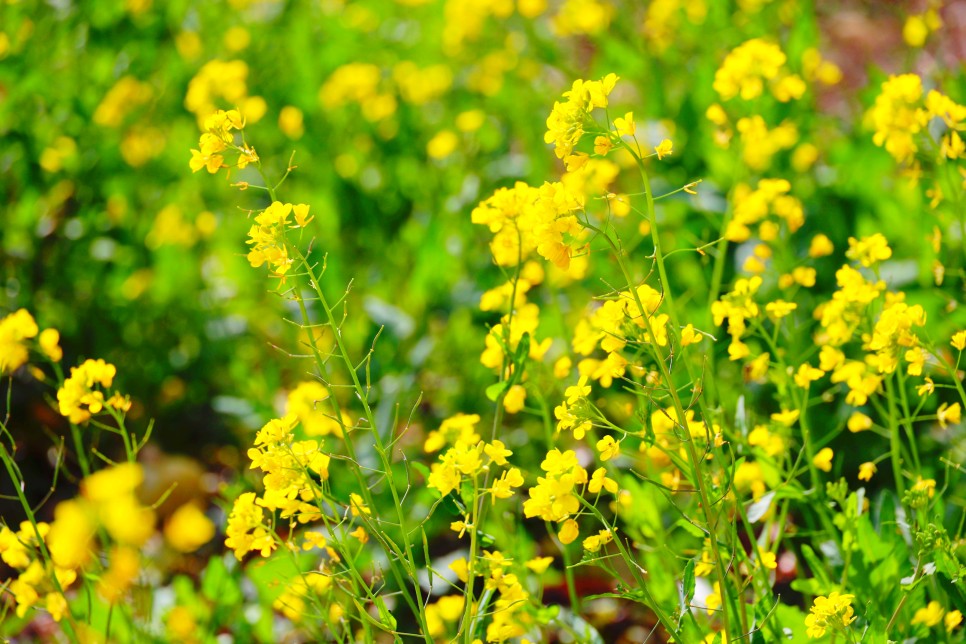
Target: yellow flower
{"type": "Point", "coordinates": [866, 471]}
{"type": "Point", "coordinates": [125, 563]}
{"type": "Point", "coordinates": [829, 613]}
{"type": "Point", "coordinates": [823, 460]}
{"type": "Point", "coordinates": [664, 149]}
{"type": "Point", "coordinates": [461, 568]}
{"type": "Point", "coordinates": [713, 600]}
{"type": "Point", "coordinates": [689, 335]}
{"type": "Point", "coordinates": [858, 422]}
{"type": "Point", "coordinates": [949, 414]}
{"type": "Point", "coordinates": [780, 308]}
{"type": "Point", "coordinates": [14, 329]}
{"type": "Point", "coordinates": [931, 615]}
{"type": "Point", "coordinates": [246, 531]}
{"type": "Point", "coordinates": [925, 486]}
{"type": "Point", "coordinates": [959, 340]}
{"type": "Point", "coordinates": [181, 623]}
{"type": "Point", "coordinates": [569, 532]}
{"type": "Point", "coordinates": [498, 452]}
{"type": "Point", "coordinates": [301, 212]}
{"type": "Point", "coordinates": [578, 391]}
{"type": "Point", "coordinates": [806, 374]}
{"type": "Point", "coordinates": [602, 145]}
{"type": "Point", "coordinates": [515, 398]}
{"type": "Point", "coordinates": [188, 528]}
{"type": "Point", "coordinates": [953, 619]}
{"type": "Point", "coordinates": [49, 341]}
{"type": "Point", "coordinates": [77, 398]}
{"type": "Point", "coordinates": [769, 561]}
{"type": "Point", "coordinates": [539, 564]}
{"type": "Point", "coordinates": [442, 145]}
{"type": "Point", "coordinates": [565, 125]}
{"type": "Point", "coordinates": [917, 28]}
{"type": "Point", "coordinates": [897, 116]}
{"type": "Point", "coordinates": [595, 542]}
{"type": "Point", "coordinates": [470, 121]}
{"type": "Point", "coordinates": [915, 31]}
{"type": "Point", "coordinates": [625, 126]}
{"type": "Point", "coordinates": [503, 487]}
{"type": "Point", "coordinates": [820, 246]}
{"type": "Point", "coordinates": [869, 250]}
{"type": "Point", "coordinates": [599, 480]}
{"type": "Point", "coordinates": [786, 417]}
{"type": "Point", "coordinates": [747, 68]}
{"type": "Point", "coordinates": [290, 122]}
{"type": "Point", "coordinates": [608, 448]}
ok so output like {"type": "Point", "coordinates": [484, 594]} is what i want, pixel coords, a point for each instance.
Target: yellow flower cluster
{"type": "Point", "coordinates": [360, 84]}
{"type": "Point", "coordinates": [896, 116]}
{"type": "Point", "coordinates": [445, 612]}
{"type": "Point", "coordinates": [127, 94]}
{"type": "Point", "coordinates": [226, 81]}
{"type": "Point", "coordinates": [833, 613]}
{"type": "Point", "coordinates": [419, 86]}
{"type": "Point", "coordinates": [465, 458]}
{"type": "Point", "coordinates": [583, 17]}
{"type": "Point", "coordinates": [759, 143]}
{"type": "Point", "coordinates": [565, 125]}
{"type": "Point", "coordinates": [934, 614]}
{"type": "Point", "coordinates": [16, 330]}
{"type": "Point", "coordinates": [218, 137]}
{"type": "Point", "coordinates": [108, 505]}
{"type": "Point", "coordinates": [747, 69]}
{"type": "Point", "coordinates": [504, 338]}
{"type": "Point", "coordinates": [899, 115]}
{"type": "Point", "coordinates": [296, 600]}
{"type": "Point", "coordinates": [35, 583]}
{"type": "Point", "coordinates": [246, 531]}
{"type": "Point", "coordinates": [524, 219]}
{"type": "Point", "coordinates": [292, 470]}
{"type": "Point", "coordinates": [295, 481]}
{"type": "Point", "coordinates": [751, 207]}
{"type": "Point", "coordinates": [664, 18]}
{"type": "Point", "coordinates": [267, 235]}
{"type": "Point", "coordinates": [555, 497]}
{"type": "Point", "coordinates": [81, 395]}
{"type": "Point", "coordinates": [738, 307]}
{"type": "Point", "coordinates": [893, 337]}
{"type": "Point", "coordinates": [510, 618]}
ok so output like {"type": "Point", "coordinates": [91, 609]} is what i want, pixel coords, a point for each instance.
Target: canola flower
{"type": "Point", "coordinates": [19, 334]}
{"type": "Point", "coordinates": [901, 116]}
{"type": "Point", "coordinates": [830, 613]}
{"type": "Point", "coordinates": [747, 69]}
{"type": "Point", "coordinates": [82, 394]}
{"type": "Point", "coordinates": [863, 335]}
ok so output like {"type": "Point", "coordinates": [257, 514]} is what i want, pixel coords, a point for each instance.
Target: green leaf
{"type": "Point", "coordinates": [494, 391]}
{"type": "Point", "coordinates": [218, 585]}
{"type": "Point", "coordinates": [690, 528]}
{"type": "Point", "coordinates": [387, 619]}
{"type": "Point", "coordinates": [688, 584]}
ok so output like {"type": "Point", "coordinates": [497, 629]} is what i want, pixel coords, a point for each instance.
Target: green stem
{"type": "Point", "coordinates": [17, 481]}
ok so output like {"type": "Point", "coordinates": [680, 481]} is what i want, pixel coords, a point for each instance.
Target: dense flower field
{"type": "Point", "coordinates": [483, 321]}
